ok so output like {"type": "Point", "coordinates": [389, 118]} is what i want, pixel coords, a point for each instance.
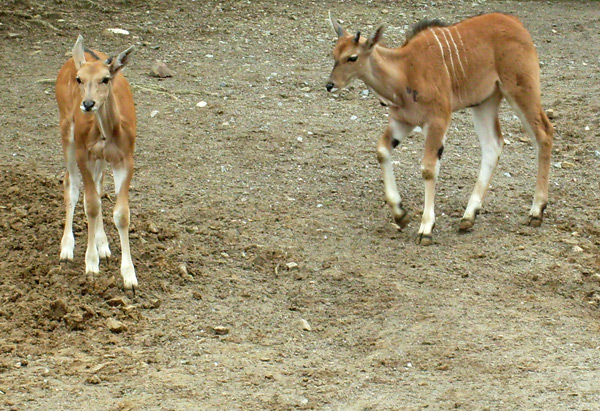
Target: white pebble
{"type": "Point", "coordinates": [353, 117]}
{"type": "Point", "coordinates": [154, 113]}
{"type": "Point", "coordinates": [202, 104]}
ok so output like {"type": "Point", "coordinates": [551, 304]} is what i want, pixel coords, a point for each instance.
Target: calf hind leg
{"type": "Point", "coordinates": [526, 102]}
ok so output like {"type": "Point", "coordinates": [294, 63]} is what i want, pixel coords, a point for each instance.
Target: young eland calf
{"type": "Point", "coordinates": [440, 69]}
{"type": "Point", "coordinates": [98, 125]}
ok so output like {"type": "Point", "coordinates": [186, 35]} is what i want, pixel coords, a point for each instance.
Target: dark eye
{"type": "Point", "coordinates": [78, 80]}
{"type": "Point", "coordinates": [105, 80]}
{"type": "Point", "coordinates": [352, 58]}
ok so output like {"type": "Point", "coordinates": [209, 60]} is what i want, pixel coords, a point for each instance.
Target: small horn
{"type": "Point", "coordinates": [357, 37]}
{"type": "Point", "coordinates": [336, 26]}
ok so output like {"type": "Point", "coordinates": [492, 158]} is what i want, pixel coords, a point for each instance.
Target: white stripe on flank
{"type": "Point", "coordinates": [442, 50]}
{"type": "Point", "coordinates": [462, 45]}
{"type": "Point", "coordinates": [457, 53]}
{"type": "Point", "coordinates": [449, 51]}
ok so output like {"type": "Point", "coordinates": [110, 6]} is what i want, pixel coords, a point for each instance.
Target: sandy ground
{"type": "Point", "coordinates": [274, 171]}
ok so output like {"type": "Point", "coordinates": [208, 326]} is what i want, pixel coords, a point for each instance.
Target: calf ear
{"type": "Point", "coordinates": [78, 52]}
{"type": "Point", "coordinates": [375, 37]}
{"type": "Point", "coordinates": [117, 63]}
{"type": "Point", "coordinates": [339, 30]}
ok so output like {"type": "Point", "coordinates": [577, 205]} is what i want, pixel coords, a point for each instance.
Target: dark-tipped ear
{"type": "Point", "coordinates": [375, 37]}
{"type": "Point", "coordinates": [357, 37]}
{"type": "Point", "coordinates": [339, 30]}
{"type": "Point", "coordinates": [78, 52]}
{"type": "Point", "coordinates": [117, 63]}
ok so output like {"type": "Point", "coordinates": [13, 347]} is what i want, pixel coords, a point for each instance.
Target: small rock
{"type": "Point", "coordinates": [305, 89]}
{"type": "Point", "coordinates": [160, 70]}
{"type": "Point", "coordinates": [595, 278]}
{"type": "Point", "coordinates": [220, 330]}
{"type": "Point", "coordinates": [202, 104]}
{"type": "Point", "coordinates": [577, 249]}
{"type": "Point", "coordinates": [567, 164]}
{"type": "Point", "coordinates": [365, 93]}
{"type": "Point", "coordinates": [115, 326]}
{"type": "Point", "coordinates": [58, 309]}
{"type": "Point", "coordinates": [305, 325]}
{"type": "Point", "coordinates": [93, 379]}
{"type": "Point", "coordinates": [152, 228]}
{"type": "Point", "coordinates": [14, 35]}
{"type": "Point", "coordinates": [153, 303]}
{"type": "Point", "coordinates": [118, 302]}
{"type": "Point", "coordinates": [551, 114]}
{"type": "Point", "coordinates": [110, 32]}
{"type": "Point", "coordinates": [13, 190]}
{"type": "Point", "coordinates": [292, 266]}
{"type": "Point", "coordinates": [74, 321]}
{"type": "Point", "coordinates": [154, 113]}
{"type": "Point", "coordinates": [353, 117]}
{"type": "Point", "coordinates": [182, 268]}
{"type": "Point", "coordinates": [197, 295]}
{"type": "Point", "coordinates": [385, 11]}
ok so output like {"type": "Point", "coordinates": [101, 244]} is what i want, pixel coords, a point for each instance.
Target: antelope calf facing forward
{"type": "Point", "coordinates": [97, 124]}
{"type": "Point", "coordinates": [440, 69]}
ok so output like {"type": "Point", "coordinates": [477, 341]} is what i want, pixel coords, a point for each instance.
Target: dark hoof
{"type": "Point", "coordinates": [402, 219]}
{"type": "Point", "coordinates": [424, 239]}
{"type": "Point", "coordinates": [466, 225]}
{"type": "Point", "coordinates": [534, 221]}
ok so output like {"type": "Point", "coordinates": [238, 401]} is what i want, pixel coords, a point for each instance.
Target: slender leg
{"type": "Point", "coordinates": [430, 167]}
{"type": "Point", "coordinates": [97, 167]}
{"type": "Point", "coordinates": [92, 209]}
{"type": "Point", "coordinates": [71, 196]}
{"type": "Point", "coordinates": [390, 138]}
{"type": "Point", "coordinates": [487, 127]}
{"type": "Point", "coordinates": [540, 130]}
{"type": "Point", "coordinates": [122, 175]}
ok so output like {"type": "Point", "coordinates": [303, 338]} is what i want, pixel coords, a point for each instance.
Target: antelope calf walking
{"type": "Point", "coordinates": [441, 69]}
{"type": "Point", "coordinates": [97, 124]}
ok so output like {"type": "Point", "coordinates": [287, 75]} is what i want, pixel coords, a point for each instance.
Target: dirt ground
{"type": "Point", "coordinates": [272, 171]}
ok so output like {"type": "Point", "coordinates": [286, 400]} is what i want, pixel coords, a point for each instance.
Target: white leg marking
{"type": "Point", "coordinates": [484, 119]}
{"type": "Point", "coordinates": [442, 51]}
{"type": "Point", "coordinates": [71, 196]}
{"type": "Point", "coordinates": [399, 131]}
{"type": "Point", "coordinates": [122, 208]}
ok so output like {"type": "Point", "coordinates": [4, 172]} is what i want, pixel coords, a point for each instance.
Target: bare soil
{"type": "Point", "coordinates": [274, 171]}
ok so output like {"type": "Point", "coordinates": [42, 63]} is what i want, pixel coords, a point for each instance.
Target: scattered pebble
{"type": "Point", "coordinates": [202, 104]}
{"type": "Point", "coordinates": [577, 249]}
{"type": "Point", "coordinates": [93, 379]}
{"type": "Point", "coordinates": [58, 308]}
{"type": "Point", "coordinates": [115, 326]}
{"type": "Point", "coordinates": [110, 32]}
{"type": "Point", "coordinates": [305, 325]}
{"type": "Point", "coordinates": [154, 113]}
{"type": "Point", "coordinates": [567, 164]}
{"type": "Point", "coordinates": [292, 266]}
{"type": "Point", "coordinates": [182, 268]}
{"type": "Point", "coordinates": [152, 228]}
{"type": "Point", "coordinates": [118, 301]}
{"type": "Point", "coordinates": [353, 117]}
{"type": "Point", "coordinates": [595, 278]}
{"type": "Point", "coordinates": [220, 330]}
{"type": "Point", "coordinates": [551, 114]}
{"type": "Point", "coordinates": [305, 89]}
{"type": "Point", "coordinates": [160, 69]}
